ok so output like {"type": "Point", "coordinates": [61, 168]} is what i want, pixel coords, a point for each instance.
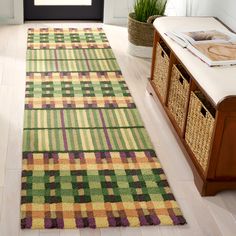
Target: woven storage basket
{"type": "Point", "coordinates": [140, 33]}
{"type": "Point", "coordinates": [200, 126]}
{"type": "Point", "coordinates": [178, 94]}
{"type": "Point", "coordinates": [161, 68]}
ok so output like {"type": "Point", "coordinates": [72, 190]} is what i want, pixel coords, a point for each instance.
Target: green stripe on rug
{"type": "Point", "coordinates": [82, 118]}
{"type": "Point", "coordinates": [70, 54]}
{"type": "Point", "coordinates": [72, 66]}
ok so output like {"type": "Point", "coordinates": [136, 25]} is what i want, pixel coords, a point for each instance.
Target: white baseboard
{"type": "Point", "coordinates": [139, 51]}
{"type": "Point", "coordinates": [11, 21]}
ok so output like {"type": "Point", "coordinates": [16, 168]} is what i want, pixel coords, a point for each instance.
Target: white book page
{"type": "Point", "coordinates": [208, 60]}
{"type": "Point", "coordinates": [182, 42]}
{"type": "Point", "coordinates": [209, 36]}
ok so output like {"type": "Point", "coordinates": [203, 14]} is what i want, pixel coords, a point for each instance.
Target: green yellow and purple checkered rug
{"type": "Point", "coordinates": [87, 158]}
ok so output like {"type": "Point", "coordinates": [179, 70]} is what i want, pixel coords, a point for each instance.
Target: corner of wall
{"type": "Point", "coordinates": [18, 13]}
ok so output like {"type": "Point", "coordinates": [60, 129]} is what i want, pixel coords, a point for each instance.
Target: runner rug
{"type": "Point", "coordinates": [87, 158]}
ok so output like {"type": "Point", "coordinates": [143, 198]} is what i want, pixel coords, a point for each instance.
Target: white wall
{"type": "Point", "coordinates": [178, 7]}
{"type": "Point", "coordinates": [11, 11]}
{"type": "Point", "coordinates": [197, 7]}
{"type": "Point", "coordinates": [116, 11]}
{"type": "Point", "coordinates": [6, 8]}
{"type": "Point", "coordinates": [225, 10]}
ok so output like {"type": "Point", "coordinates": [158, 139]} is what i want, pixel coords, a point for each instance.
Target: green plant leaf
{"type": "Point", "coordinates": [143, 9]}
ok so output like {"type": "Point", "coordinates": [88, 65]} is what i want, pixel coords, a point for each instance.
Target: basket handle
{"type": "Point", "coordinates": [151, 19]}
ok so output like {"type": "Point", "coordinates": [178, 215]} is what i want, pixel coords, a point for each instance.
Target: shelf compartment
{"type": "Point", "coordinates": [161, 69]}
{"type": "Point", "coordinates": [199, 128]}
{"type": "Point", "coordinates": [178, 95]}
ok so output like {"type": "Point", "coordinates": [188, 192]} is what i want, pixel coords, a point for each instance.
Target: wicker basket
{"type": "Point", "coordinates": [140, 33]}
{"type": "Point", "coordinates": [178, 94]}
{"type": "Point", "coordinates": [161, 68]}
{"type": "Point", "coordinates": [200, 126]}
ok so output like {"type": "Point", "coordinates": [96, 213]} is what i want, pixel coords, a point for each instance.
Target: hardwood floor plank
{"type": "Point", "coordinates": [128, 231]}
{"type": "Point", "coordinates": [5, 100]}
{"type": "Point", "coordinates": [152, 231]}
{"type": "Point", "coordinates": [29, 233]}
{"type": "Point", "coordinates": [1, 201]}
{"type": "Point", "coordinates": [90, 232]}
{"type": "Point", "coordinates": [222, 215]}
{"type": "Point", "coordinates": [10, 215]}
{"type": "Point", "coordinates": [14, 155]}
{"type": "Point", "coordinates": [50, 232]}
{"type": "Point", "coordinates": [67, 232]}
{"type": "Point", "coordinates": [195, 206]}
{"type": "Point", "coordinates": [228, 197]}
{"type": "Point", "coordinates": [111, 232]}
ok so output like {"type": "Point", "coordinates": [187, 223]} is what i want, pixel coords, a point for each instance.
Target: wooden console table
{"type": "Point", "coordinates": [200, 102]}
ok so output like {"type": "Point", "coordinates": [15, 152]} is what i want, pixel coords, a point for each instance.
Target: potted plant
{"type": "Point", "coordinates": [140, 25]}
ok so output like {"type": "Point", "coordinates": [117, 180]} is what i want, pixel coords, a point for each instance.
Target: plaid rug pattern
{"type": "Point", "coordinates": [87, 158]}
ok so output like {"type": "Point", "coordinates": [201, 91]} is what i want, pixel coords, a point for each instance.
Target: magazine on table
{"type": "Point", "coordinates": [214, 47]}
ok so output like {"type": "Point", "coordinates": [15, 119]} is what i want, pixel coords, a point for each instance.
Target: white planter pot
{"type": "Point", "coordinates": [139, 51]}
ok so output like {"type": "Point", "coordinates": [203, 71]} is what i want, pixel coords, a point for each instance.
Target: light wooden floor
{"type": "Point", "coordinates": [211, 216]}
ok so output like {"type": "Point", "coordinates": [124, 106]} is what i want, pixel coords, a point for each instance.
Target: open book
{"type": "Point", "coordinates": [216, 48]}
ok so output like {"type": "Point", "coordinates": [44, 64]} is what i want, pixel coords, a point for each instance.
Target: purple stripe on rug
{"type": "Point", "coordinates": [63, 130]}
{"type": "Point", "coordinates": [56, 62]}
{"type": "Point", "coordinates": [85, 56]}
{"type": "Point", "coordinates": [105, 130]}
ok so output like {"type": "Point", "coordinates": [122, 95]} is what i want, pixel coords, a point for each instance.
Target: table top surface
{"type": "Point", "coordinates": [217, 82]}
